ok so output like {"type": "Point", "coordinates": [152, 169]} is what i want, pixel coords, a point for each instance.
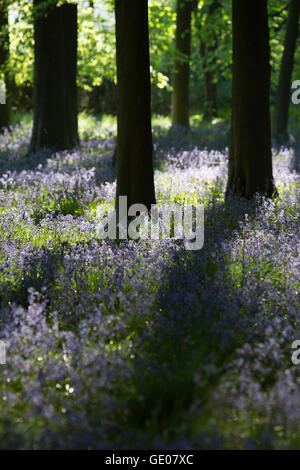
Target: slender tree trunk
{"type": "Point", "coordinates": [208, 53]}
{"type": "Point", "coordinates": [282, 103]}
{"type": "Point", "coordinates": [134, 144]}
{"type": "Point", "coordinates": [180, 95]}
{"type": "Point", "coordinates": [4, 56]}
{"type": "Point", "coordinates": [210, 88]}
{"type": "Point", "coordinates": [55, 93]}
{"type": "Point", "coordinates": [250, 156]}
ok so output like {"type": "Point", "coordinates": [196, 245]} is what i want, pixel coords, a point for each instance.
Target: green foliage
{"type": "Point", "coordinates": [96, 47]}
{"type": "Point", "coordinates": [277, 22]}
{"type": "Point", "coordinates": [161, 33]}
{"type": "Point", "coordinates": [21, 41]}
{"type": "Point", "coordinates": [210, 28]}
{"type": "Point", "coordinates": [96, 42]}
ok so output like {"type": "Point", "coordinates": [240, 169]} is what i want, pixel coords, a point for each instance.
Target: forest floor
{"type": "Point", "coordinates": [146, 344]}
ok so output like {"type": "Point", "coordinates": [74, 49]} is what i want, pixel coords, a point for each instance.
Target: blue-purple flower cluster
{"type": "Point", "coordinates": [144, 344]}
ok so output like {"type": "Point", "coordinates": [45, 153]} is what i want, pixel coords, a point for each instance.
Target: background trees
{"type": "Point", "coordinates": [284, 86]}
{"type": "Point", "coordinates": [4, 56]}
{"type": "Point", "coordinates": [201, 54]}
{"type": "Point", "coordinates": [250, 156]}
{"type": "Point", "coordinates": [96, 77]}
{"type": "Point", "coordinates": [208, 32]}
{"type": "Point", "coordinates": [180, 95]}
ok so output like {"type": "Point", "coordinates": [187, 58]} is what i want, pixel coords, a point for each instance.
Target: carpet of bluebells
{"type": "Point", "coordinates": [130, 345]}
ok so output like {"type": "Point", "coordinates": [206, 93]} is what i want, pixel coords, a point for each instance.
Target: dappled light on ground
{"type": "Point", "coordinates": [122, 345]}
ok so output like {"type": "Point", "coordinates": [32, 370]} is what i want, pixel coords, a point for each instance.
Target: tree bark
{"type": "Point", "coordinates": [281, 112]}
{"type": "Point", "coordinates": [250, 156]}
{"type": "Point", "coordinates": [134, 143]}
{"type": "Point", "coordinates": [208, 50]}
{"type": "Point", "coordinates": [181, 73]}
{"type": "Point", "coordinates": [210, 89]}
{"type": "Point", "coordinates": [55, 94]}
{"type": "Point", "coordinates": [4, 56]}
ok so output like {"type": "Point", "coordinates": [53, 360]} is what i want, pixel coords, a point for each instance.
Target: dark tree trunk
{"type": "Point", "coordinates": [55, 94]}
{"type": "Point", "coordinates": [208, 53]}
{"type": "Point", "coordinates": [250, 156]}
{"type": "Point", "coordinates": [4, 56]}
{"type": "Point", "coordinates": [210, 89]}
{"type": "Point", "coordinates": [282, 103]}
{"type": "Point", "coordinates": [180, 95]}
{"type": "Point", "coordinates": [134, 144]}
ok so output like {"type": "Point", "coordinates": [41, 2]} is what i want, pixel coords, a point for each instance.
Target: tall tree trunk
{"type": "Point", "coordinates": [55, 93]}
{"type": "Point", "coordinates": [180, 95]}
{"type": "Point", "coordinates": [282, 103]}
{"type": "Point", "coordinates": [4, 56]}
{"type": "Point", "coordinates": [208, 53]}
{"type": "Point", "coordinates": [210, 90]}
{"type": "Point", "coordinates": [250, 156]}
{"type": "Point", "coordinates": [134, 144]}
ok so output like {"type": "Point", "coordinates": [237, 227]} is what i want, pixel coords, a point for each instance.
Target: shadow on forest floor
{"type": "Point", "coordinates": [194, 331]}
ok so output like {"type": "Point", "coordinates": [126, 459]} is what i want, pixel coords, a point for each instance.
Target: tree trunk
{"type": "Point", "coordinates": [208, 53]}
{"type": "Point", "coordinates": [4, 56]}
{"type": "Point", "coordinates": [134, 144]}
{"type": "Point", "coordinates": [55, 94]}
{"type": "Point", "coordinates": [250, 156]}
{"type": "Point", "coordinates": [282, 103]}
{"type": "Point", "coordinates": [210, 88]}
{"type": "Point", "coordinates": [180, 95]}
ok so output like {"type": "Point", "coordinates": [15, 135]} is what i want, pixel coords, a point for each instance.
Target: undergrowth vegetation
{"type": "Point", "coordinates": [145, 344]}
